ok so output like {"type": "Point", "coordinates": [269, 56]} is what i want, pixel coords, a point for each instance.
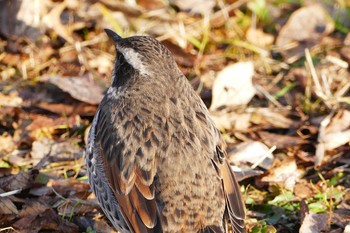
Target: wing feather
{"type": "Point", "coordinates": [234, 202]}
{"type": "Point", "coordinates": [233, 197]}
{"type": "Point", "coordinates": [132, 186]}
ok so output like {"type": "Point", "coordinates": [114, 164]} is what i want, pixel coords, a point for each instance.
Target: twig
{"type": "Point", "coordinates": [267, 95]}
{"type": "Point", "coordinates": [10, 193]}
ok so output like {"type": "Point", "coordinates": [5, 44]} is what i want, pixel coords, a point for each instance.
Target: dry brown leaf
{"type": "Point", "coordinates": [37, 216]}
{"type": "Point", "coordinates": [12, 100]}
{"type": "Point", "coordinates": [271, 117]}
{"type": "Point", "coordinates": [304, 29]}
{"type": "Point", "coordinates": [259, 38]}
{"type": "Point", "coordinates": [345, 53]}
{"type": "Point", "coordinates": [69, 187]}
{"type": "Point", "coordinates": [8, 210]}
{"type": "Point", "coordinates": [33, 208]}
{"type": "Point", "coordinates": [279, 140]}
{"type": "Point", "coordinates": [204, 7]}
{"type": "Point", "coordinates": [236, 119]}
{"type": "Point", "coordinates": [81, 109]}
{"type": "Point", "coordinates": [57, 150]}
{"type": "Point", "coordinates": [341, 214]}
{"type": "Point", "coordinates": [231, 120]}
{"type": "Point", "coordinates": [284, 173]}
{"type": "Point", "coordinates": [52, 20]}
{"type": "Point", "coordinates": [76, 206]}
{"type": "Point", "coordinates": [21, 180]}
{"type": "Point", "coordinates": [20, 18]}
{"type": "Point", "coordinates": [246, 156]}
{"type": "Point", "coordinates": [19, 158]}
{"type": "Point", "coordinates": [334, 131]}
{"type": "Point", "coordinates": [41, 191]}
{"type": "Point", "coordinates": [7, 145]}
{"type": "Point", "coordinates": [101, 225]}
{"type": "Point", "coordinates": [12, 59]}
{"type": "Point", "coordinates": [314, 223]}
{"type": "Point", "coordinates": [336, 139]}
{"type": "Point", "coordinates": [44, 123]}
{"type": "Point", "coordinates": [101, 63]}
{"type": "Point", "coordinates": [304, 190]}
{"type": "Point", "coordinates": [81, 88]}
{"type": "Point", "coordinates": [7, 207]}
{"type": "Point", "coordinates": [254, 153]}
{"type": "Point", "coordinates": [233, 86]}
{"type": "Point", "coordinates": [128, 9]}
{"type": "Point", "coordinates": [182, 58]}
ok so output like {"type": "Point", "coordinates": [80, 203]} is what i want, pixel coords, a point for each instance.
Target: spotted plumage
{"type": "Point", "coordinates": [156, 162]}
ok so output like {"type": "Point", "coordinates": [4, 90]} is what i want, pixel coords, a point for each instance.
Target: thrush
{"type": "Point", "coordinates": [155, 160]}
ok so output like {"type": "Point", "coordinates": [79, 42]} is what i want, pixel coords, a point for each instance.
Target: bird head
{"type": "Point", "coordinates": [142, 55]}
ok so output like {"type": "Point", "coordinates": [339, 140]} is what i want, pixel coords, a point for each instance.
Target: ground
{"type": "Point", "coordinates": [274, 74]}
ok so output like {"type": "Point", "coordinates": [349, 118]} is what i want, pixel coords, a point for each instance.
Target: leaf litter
{"type": "Point", "coordinates": [275, 75]}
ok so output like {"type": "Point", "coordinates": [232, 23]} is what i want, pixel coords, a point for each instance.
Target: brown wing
{"type": "Point", "coordinates": [132, 184]}
{"type": "Point", "coordinates": [234, 202]}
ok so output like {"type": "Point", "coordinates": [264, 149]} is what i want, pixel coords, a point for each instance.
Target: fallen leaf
{"type": "Point", "coordinates": [303, 190]}
{"type": "Point", "coordinates": [334, 131]}
{"type": "Point", "coordinates": [271, 117]}
{"type": "Point", "coordinates": [7, 207]}
{"type": "Point", "coordinates": [11, 100]}
{"type": "Point", "coordinates": [75, 206]}
{"type": "Point", "coordinates": [11, 59]}
{"type": "Point", "coordinates": [254, 153]}
{"type": "Point", "coordinates": [7, 145]}
{"type": "Point", "coordinates": [41, 191]}
{"type": "Point", "coordinates": [341, 216]}
{"type": "Point", "coordinates": [81, 109]}
{"type": "Point", "coordinates": [57, 150]}
{"type": "Point", "coordinates": [337, 133]}
{"type": "Point", "coordinates": [101, 225]}
{"type": "Point", "coordinates": [81, 88]}
{"type": "Point", "coordinates": [233, 86]}
{"type": "Point", "coordinates": [20, 18]}
{"type": "Point", "coordinates": [36, 216]}
{"type": "Point", "coordinates": [102, 64]}
{"type": "Point", "coordinates": [347, 229]}
{"type": "Point", "coordinates": [204, 7]}
{"type": "Point", "coordinates": [6, 218]}
{"type": "Point", "coordinates": [240, 120]}
{"type": "Point", "coordinates": [44, 123]}
{"type": "Point", "coordinates": [305, 28]}
{"type": "Point", "coordinates": [69, 187]}
{"type": "Point", "coordinates": [128, 9]}
{"type": "Point", "coordinates": [181, 57]}
{"type": "Point", "coordinates": [279, 140]}
{"type": "Point", "coordinates": [259, 37]}
{"type": "Point", "coordinates": [336, 139]}
{"type": "Point", "coordinates": [314, 223]}
{"type": "Point", "coordinates": [231, 120]}
{"type": "Point", "coordinates": [19, 158]}
{"type": "Point", "coordinates": [345, 53]}
{"type": "Point", "coordinates": [52, 20]}
{"type": "Point", "coordinates": [8, 210]}
{"type": "Point", "coordinates": [33, 208]}
{"type": "Point", "coordinates": [284, 172]}
{"type": "Point", "coordinates": [246, 156]}
{"type": "Point", "coordinates": [21, 180]}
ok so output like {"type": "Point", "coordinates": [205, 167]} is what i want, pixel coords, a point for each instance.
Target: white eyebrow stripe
{"type": "Point", "coordinates": [133, 58]}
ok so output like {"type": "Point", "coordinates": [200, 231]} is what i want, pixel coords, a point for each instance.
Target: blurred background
{"type": "Point", "coordinates": [274, 74]}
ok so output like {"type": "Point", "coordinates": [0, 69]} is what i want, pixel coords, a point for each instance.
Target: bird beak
{"type": "Point", "coordinates": [114, 36]}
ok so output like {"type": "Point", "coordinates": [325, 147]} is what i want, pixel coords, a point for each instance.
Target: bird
{"type": "Point", "coordinates": [155, 160]}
